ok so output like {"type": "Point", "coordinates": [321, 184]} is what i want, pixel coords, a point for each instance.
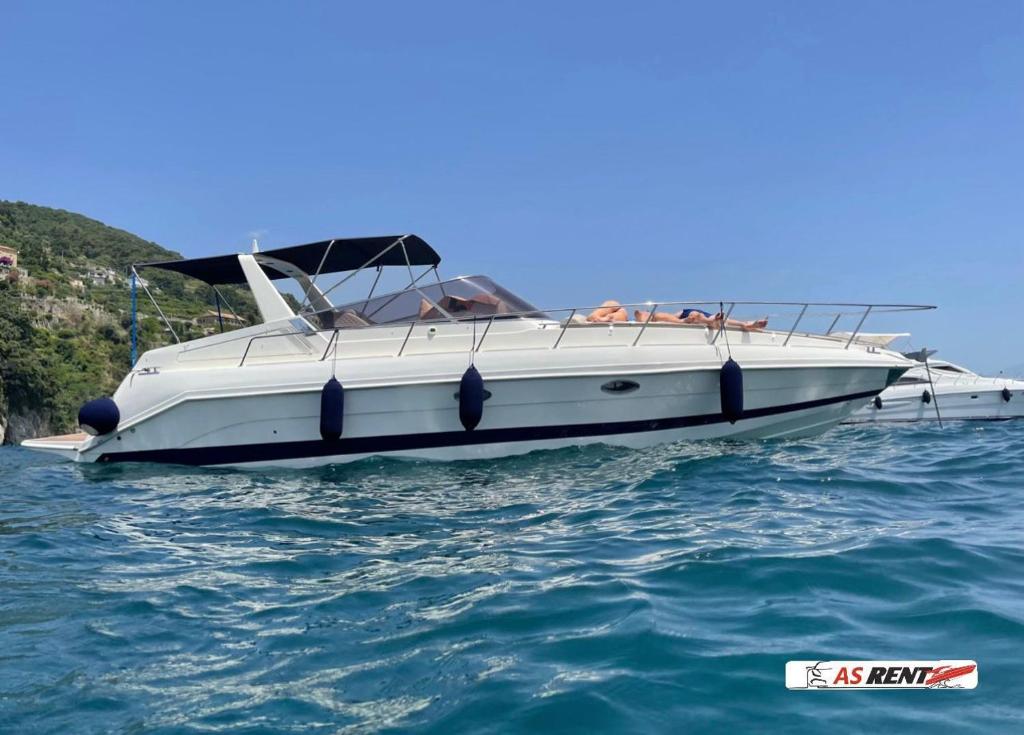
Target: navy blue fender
{"type": "Point", "coordinates": [878, 402]}
{"type": "Point", "coordinates": [471, 398]}
{"type": "Point", "coordinates": [730, 384]}
{"type": "Point", "coordinates": [1007, 395]}
{"type": "Point", "coordinates": [926, 396]}
{"type": "Point", "coordinates": [99, 416]}
{"type": "Point", "coordinates": [332, 410]}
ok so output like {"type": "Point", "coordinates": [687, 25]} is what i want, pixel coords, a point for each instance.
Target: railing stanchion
{"type": "Point", "coordinates": [853, 335]}
{"type": "Point", "coordinates": [330, 342]}
{"type": "Point", "coordinates": [565, 326]}
{"type": "Point", "coordinates": [246, 353]}
{"type": "Point", "coordinates": [412, 325]}
{"type": "Point", "coordinates": [793, 329]}
{"type": "Point", "coordinates": [833, 324]}
{"type": "Point", "coordinates": [650, 315]}
{"type": "Point", "coordinates": [484, 335]}
{"type": "Point", "coordinates": [725, 320]}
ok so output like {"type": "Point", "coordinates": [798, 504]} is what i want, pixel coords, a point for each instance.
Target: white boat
{"type": "Point", "coordinates": [937, 390]}
{"type": "Point", "coordinates": [264, 395]}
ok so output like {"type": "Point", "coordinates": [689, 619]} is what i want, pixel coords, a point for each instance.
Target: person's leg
{"type": "Point", "coordinates": [757, 325]}
{"type": "Point", "coordinates": [696, 316]}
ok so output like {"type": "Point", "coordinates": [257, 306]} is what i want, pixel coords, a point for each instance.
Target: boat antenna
{"type": "Point", "coordinates": [255, 245]}
{"type": "Point", "coordinates": [935, 398]}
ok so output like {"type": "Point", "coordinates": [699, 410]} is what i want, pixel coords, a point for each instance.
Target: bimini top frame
{"type": "Point", "coordinates": [326, 256]}
{"type": "Point", "coordinates": [298, 262]}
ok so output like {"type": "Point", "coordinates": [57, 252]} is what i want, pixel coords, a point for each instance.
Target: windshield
{"type": "Point", "coordinates": [459, 297]}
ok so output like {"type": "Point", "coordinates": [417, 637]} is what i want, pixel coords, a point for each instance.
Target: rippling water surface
{"type": "Point", "coordinates": [581, 590]}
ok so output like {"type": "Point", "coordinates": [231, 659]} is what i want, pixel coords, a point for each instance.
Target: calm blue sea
{"type": "Point", "coordinates": [580, 591]}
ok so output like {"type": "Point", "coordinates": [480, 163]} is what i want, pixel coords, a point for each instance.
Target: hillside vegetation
{"type": "Point", "coordinates": [65, 314]}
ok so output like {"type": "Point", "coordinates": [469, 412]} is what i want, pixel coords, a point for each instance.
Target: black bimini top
{"type": "Point", "coordinates": [345, 254]}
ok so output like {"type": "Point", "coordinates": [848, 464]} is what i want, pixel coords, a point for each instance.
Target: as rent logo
{"type": "Point", "coordinates": [943, 674]}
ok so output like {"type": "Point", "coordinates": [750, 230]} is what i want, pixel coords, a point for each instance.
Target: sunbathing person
{"type": "Point", "coordinates": [460, 307]}
{"type": "Point", "coordinates": [609, 311]}
{"type": "Point", "coordinates": [701, 318]}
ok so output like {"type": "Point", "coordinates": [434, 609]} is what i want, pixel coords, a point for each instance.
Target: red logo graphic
{"type": "Point", "coordinates": [945, 673]}
{"type": "Point", "coordinates": [941, 674]}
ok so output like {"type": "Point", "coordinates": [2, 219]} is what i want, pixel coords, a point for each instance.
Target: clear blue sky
{"type": "Point", "coordinates": [576, 151]}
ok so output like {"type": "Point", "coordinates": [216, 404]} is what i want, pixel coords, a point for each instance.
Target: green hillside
{"type": "Point", "coordinates": [65, 314]}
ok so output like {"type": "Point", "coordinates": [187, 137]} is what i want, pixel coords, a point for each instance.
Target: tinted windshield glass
{"type": "Point", "coordinates": [911, 381]}
{"type": "Point", "coordinates": [460, 298]}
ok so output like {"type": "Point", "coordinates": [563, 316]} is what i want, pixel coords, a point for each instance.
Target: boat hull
{"type": "Point", "coordinates": [521, 415]}
{"type": "Point", "coordinates": [980, 404]}
{"type": "Point", "coordinates": [547, 387]}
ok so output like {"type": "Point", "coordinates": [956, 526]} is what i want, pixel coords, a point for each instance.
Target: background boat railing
{"type": "Point", "coordinates": [573, 318]}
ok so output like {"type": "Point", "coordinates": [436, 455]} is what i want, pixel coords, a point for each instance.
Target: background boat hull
{"type": "Point", "coordinates": [982, 404]}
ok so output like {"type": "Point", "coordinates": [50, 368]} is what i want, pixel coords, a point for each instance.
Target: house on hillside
{"type": "Point", "coordinates": [101, 276]}
{"type": "Point", "coordinates": [8, 258]}
{"type": "Point", "coordinates": [210, 320]}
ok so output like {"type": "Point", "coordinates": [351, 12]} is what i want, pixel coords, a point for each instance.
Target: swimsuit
{"type": "Point", "coordinates": [686, 312]}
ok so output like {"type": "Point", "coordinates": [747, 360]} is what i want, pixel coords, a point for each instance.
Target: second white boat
{"type": "Point", "coordinates": [943, 391]}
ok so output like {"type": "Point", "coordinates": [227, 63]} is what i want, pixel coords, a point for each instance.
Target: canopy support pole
{"type": "Point", "coordinates": [312, 283]}
{"type": "Point", "coordinates": [367, 264]}
{"type": "Point", "coordinates": [220, 317]}
{"type": "Point", "coordinates": [226, 303]}
{"type": "Point", "coordinates": [440, 283]}
{"type": "Point", "coordinates": [158, 309]}
{"type": "Point", "coordinates": [418, 278]}
{"type": "Point", "coordinates": [412, 284]}
{"type": "Point", "coordinates": [380, 269]}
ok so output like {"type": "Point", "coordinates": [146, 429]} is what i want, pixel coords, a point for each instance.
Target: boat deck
{"type": "Point", "coordinates": [66, 445]}
{"type": "Point", "coordinates": [64, 438]}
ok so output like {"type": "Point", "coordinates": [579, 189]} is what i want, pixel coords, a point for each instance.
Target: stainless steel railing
{"type": "Point", "coordinates": [807, 308]}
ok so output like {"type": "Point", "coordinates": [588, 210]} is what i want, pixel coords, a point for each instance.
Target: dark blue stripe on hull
{"type": "Point", "coordinates": [242, 453]}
